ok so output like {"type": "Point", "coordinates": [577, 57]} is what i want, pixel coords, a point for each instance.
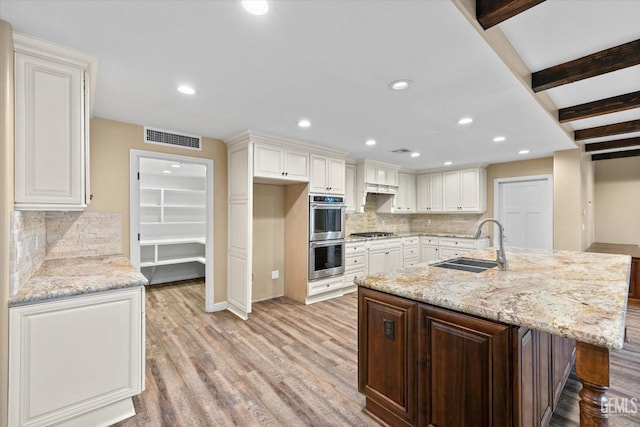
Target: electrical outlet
{"type": "Point", "coordinates": [275, 274]}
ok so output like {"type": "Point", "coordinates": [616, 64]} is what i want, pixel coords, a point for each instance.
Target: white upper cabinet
{"type": "Point", "coordinates": [327, 175]}
{"type": "Point", "coordinates": [465, 190]}
{"type": "Point", "coordinates": [381, 175]}
{"type": "Point", "coordinates": [404, 201]}
{"type": "Point", "coordinates": [429, 193]}
{"type": "Point", "coordinates": [279, 162]}
{"type": "Point", "coordinates": [350, 187]}
{"type": "Point", "coordinates": [52, 120]}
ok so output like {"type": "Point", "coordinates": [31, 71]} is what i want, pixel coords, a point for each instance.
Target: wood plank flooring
{"type": "Point", "coordinates": [289, 365]}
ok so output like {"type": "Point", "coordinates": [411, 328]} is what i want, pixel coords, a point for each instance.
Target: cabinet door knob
{"type": "Point", "coordinates": [286, 173]}
{"type": "Point", "coordinates": [355, 261]}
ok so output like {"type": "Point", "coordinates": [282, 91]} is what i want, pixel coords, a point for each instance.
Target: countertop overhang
{"type": "Point", "coordinates": [59, 278]}
{"type": "Point", "coordinates": [578, 295]}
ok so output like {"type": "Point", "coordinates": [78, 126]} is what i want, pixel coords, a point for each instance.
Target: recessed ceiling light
{"type": "Point", "coordinates": [465, 121]}
{"type": "Point", "coordinates": [523, 152]}
{"type": "Point", "coordinates": [399, 84]}
{"type": "Point", "coordinates": [304, 123]}
{"type": "Point", "coordinates": [370, 142]}
{"type": "Point", "coordinates": [415, 154]}
{"type": "Point", "coordinates": [175, 165]}
{"type": "Point", "coordinates": [499, 139]}
{"type": "Point", "coordinates": [166, 171]}
{"type": "Point", "coordinates": [256, 7]}
{"type": "Point", "coordinates": [187, 90]}
{"type": "Point", "coordinates": [448, 163]}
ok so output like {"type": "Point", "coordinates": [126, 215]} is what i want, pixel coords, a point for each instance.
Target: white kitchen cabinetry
{"type": "Point", "coordinates": [350, 187]}
{"type": "Point", "coordinates": [429, 193]}
{"type": "Point", "coordinates": [374, 177]}
{"type": "Point", "coordinates": [355, 264]}
{"type": "Point", "coordinates": [327, 175]}
{"type": "Point", "coordinates": [429, 248]}
{"type": "Point", "coordinates": [450, 247]}
{"type": "Point", "coordinates": [172, 226]}
{"type": "Point", "coordinates": [76, 361]}
{"type": "Point", "coordinates": [404, 201]}
{"type": "Point", "coordinates": [384, 255]}
{"type": "Point", "coordinates": [465, 190]}
{"type": "Point", "coordinates": [51, 126]}
{"type": "Point", "coordinates": [281, 163]}
{"type": "Point", "coordinates": [410, 251]}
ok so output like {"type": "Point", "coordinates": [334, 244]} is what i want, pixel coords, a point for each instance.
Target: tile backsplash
{"type": "Point", "coordinates": [77, 234]}
{"type": "Point", "coordinates": [28, 246]}
{"type": "Point", "coordinates": [38, 236]}
{"type": "Point", "coordinates": [369, 220]}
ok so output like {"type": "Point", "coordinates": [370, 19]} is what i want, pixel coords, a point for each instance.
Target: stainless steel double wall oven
{"type": "Point", "coordinates": [326, 236]}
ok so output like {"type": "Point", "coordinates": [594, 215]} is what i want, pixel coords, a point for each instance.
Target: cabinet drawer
{"type": "Point", "coordinates": [410, 241]}
{"type": "Point", "coordinates": [446, 253]}
{"type": "Point", "coordinates": [410, 262]}
{"type": "Point", "coordinates": [384, 244]}
{"type": "Point", "coordinates": [349, 276]}
{"type": "Point", "coordinates": [429, 240]}
{"type": "Point", "coordinates": [355, 261]}
{"type": "Point", "coordinates": [411, 252]}
{"type": "Point", "coordinates": [458, 243]}
{"type": "Point", "coordinates": [322, 286]}
{"type": "Point", "coordinates": [353, 248]}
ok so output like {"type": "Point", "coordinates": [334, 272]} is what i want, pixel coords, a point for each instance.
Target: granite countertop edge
{"type": "Point", "coordinates": [413, 234]}
{"type": "Point", "coordinates": [62, 278]}
{"type": "Point", "coordinates": [583, 301]}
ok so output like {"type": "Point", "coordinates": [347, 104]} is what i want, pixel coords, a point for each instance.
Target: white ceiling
{"type": "Point", "coordinates": [330, 61]}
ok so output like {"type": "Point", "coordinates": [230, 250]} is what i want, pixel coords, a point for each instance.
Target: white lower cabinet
{"type": "Point", "coordinates": [429, 248]}
{"type": "Point", "coordinates": [410, 251]}
{"type": "Point", "coordinates": [76, 361]}
{"type": "Point", "coordinates": [384, 255]}
{"type": "Point", "coordinates": [355, 264]}
{"type": "Point", "coordinates": [322, 286]}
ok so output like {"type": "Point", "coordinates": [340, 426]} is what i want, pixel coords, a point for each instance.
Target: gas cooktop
{"type": "Point", "coordinates": [372, 234]}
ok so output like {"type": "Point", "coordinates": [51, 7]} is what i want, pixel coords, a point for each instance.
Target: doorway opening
{"type": "Point", "coordinates": [171, 221]}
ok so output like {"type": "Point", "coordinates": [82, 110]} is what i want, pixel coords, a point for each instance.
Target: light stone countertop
{"type": "Point", "coordinates": [577, 295]}
{"type": "Point", "coordinates": [411, 234]}
{"type": "Point", "coordinates": [60, 278]}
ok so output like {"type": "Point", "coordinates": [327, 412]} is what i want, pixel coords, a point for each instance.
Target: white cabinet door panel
{"type": "Point", "coordinates": [451, 191]}
{"type": "Point", "coordinates": [296, 165]}
{"type": "Point", "coordinates": [72, 356]}
{"type": "Point", "coordinates": [268, 161]}
{"type": "Point", "coordinates": [318, 181]}
{"type": "Point", "coordinates": [336, 176]}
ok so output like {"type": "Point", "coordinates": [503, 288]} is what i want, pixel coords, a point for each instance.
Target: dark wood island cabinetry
{"type": "Point", "coordinates": [422, 365]}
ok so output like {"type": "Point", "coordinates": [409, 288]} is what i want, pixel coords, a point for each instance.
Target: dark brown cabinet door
{"type": "Point", "coordinates": [463, 370]}
{"type": "Point", "coordinates": [634, 280]}
{"type": "Point", "coordinates": [544, 377]}
{"type": "Point", "coordinates": [563, 349]}
{"type": "Point", "coordinates": [387, 356]}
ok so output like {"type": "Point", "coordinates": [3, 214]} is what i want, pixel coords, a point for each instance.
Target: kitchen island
{"type": "Point", "coordinates": [446, 347]}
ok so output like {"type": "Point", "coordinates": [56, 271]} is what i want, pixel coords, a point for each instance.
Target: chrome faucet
{"type": "Point", "coordinates": [501, 258]}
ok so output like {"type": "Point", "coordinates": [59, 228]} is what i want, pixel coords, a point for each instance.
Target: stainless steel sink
{"type": "Point", "coordinates": [467, 264]}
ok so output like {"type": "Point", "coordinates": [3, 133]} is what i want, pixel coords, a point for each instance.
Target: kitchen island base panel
{"type": "Point", "coordinates": [592, 368]}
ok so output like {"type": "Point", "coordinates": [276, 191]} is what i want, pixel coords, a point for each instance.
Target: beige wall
{"type": "Point", "coordinates": [268, 241]}
{"type": "Point", "coordinates": [567, 200]}
{"type": "Point", "coordinates": [617, 196]}
{"type": "Point", "coordinates": [6, 202]}
{"type": "Point", "coordinates": [111, 142]}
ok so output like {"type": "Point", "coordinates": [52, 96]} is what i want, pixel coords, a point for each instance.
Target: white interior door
{"type": "Point", "coordinates": [524, 206]}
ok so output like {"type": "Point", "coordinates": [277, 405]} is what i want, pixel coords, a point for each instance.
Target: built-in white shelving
{"type": "Point", "coordinates": [172, 224]}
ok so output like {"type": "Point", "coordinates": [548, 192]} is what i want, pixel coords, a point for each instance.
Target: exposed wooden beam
{"type": "Point", "coordinates": [607, 130]}
{"type": "Point", "coordinates": [615, 155]}
{"type": "Point", "coordinates": [614, 104]}
{"type": "Point", "coordinates": [610, 145]}
{"type": "Point", "coordinates": [605, 61]}
{"type": "Point", "coordinates": [493, 12]}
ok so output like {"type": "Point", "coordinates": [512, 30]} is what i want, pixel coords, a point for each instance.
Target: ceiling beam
{"type": "Point", "coordinates": [610, 145]}
{"type": "Point", "coordinates": [605, 61]}
{"type": "Point", "coordinates": [607, 130]}
{"type": "Point", "coordinates": [614, 104]}
{"type": "Point", "coordinates": [615, 155]}
{"type": "Point", "coordinates": [493, 12]}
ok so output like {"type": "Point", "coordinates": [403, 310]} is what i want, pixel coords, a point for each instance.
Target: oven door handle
{"type": "Point", "coordinates": [328, 205]}
{"type": "Point", "coordinates": [323, 243]}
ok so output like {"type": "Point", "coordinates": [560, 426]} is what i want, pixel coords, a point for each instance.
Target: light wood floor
{"type": "Point", "coordinates": [289, 365]}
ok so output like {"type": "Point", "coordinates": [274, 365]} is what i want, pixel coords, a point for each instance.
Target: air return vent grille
{"type": "Point", "coordinates": [163, 137]}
